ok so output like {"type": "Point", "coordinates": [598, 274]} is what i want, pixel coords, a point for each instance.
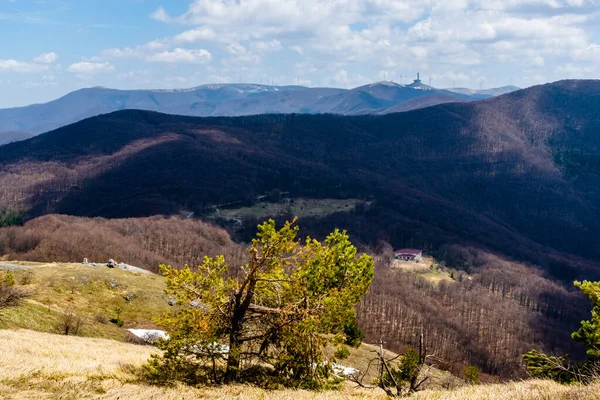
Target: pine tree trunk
{"type": "Point", "coordinates": [235, 346]}
{"type": "Point", "coordinates": [240, 309]}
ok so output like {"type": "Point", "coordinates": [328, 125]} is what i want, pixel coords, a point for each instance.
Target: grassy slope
{"type": "Point", "coordinates": [44, 366]}
{"type": "Point", "coordinates": [90, 292]}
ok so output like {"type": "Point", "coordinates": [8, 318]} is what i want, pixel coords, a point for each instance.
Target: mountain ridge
{"type": "Point", "coordinates": [518, 173]}
{"type": "Point", "coordinates": [212, 100]}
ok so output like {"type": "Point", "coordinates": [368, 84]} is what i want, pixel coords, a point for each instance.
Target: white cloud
{"type": "Point", "coordinates": [341, 77]}
{"type": "Point", "coordinates": [270, 46]}
{"type": "Point", "coordinates": [138, 51]}
{"type": "Point", "coordinates": [538, 61]}
{"type": "Point", "coordinates": [46, 58]}
{"type": "Point", "coordinates": [181, 56]}
{"type": "Point", "coordinates": [236, 49]}
{"type": "Point", "coordinates": [20, 66]}
{"type": "Point", "coordinates": [195, 35]}
{"type": "Point", "coordinates": [350, 42]}
{"type": "Point", "coordinates": [161, 15]}
{"type": "Point", "coordinates": [371, 35]}
{"type": "Point", "coordinates": [590, 53]}
{"type": "Point", "coordinates": [575, 71]}
{"type": "Point", "coordinates": [89, 68]}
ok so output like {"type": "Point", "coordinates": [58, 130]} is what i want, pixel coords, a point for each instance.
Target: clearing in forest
{"type": "Point", "coordinates": [428, 268]}
{"type": "Point", "coordinates": [300, 207]}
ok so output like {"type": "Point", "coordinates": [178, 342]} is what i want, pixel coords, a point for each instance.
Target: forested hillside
{"type": "Point", "coordinates": [142, 242]}
{"type": "Point", "coordinates": [488, 316]}
{"type": "Point", "coordinates": [518, 173]}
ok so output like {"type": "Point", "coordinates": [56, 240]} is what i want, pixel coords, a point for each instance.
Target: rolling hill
{"type": "Point", "coordinates": [214, 100]}
{"type": "Point", "coordinates": [518, 173]}
{"type": "Point", "coordinates": [104, 361]}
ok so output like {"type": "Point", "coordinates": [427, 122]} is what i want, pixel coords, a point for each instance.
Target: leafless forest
{"type": "Point", "coordinates": [487, 317]}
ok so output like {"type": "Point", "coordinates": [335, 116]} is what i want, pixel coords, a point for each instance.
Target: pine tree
{"type": "Point", "coordinates": [589, 333]}
{"type": "Point", "coordinates": [286, 302]}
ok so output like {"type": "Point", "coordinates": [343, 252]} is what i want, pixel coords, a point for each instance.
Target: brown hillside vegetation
{"type": "Point", "coordinates": [143, 242]}
{"type": "Point", "coordinates": [487, 318]}
{"type": "Point", "coordinates": [518, 173]}
{"type": "Point", "coordinates": [65, 368]}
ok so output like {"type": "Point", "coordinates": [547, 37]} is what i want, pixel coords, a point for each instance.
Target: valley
{"type": "Point", "coordinates": [484, 173]}
{"type": "Point", "coordinates": [500, 193]}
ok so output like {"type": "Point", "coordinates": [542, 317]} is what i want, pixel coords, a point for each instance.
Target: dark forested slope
{"type": "Point", "coordinates": [519, 173]}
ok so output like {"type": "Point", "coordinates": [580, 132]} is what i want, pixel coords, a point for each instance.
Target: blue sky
{"type": "Point", "coordinates": [51, 47]}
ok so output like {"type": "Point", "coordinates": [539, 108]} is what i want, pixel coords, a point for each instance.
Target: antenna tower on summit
{"type": "Point", "coordinates": [418, 80]}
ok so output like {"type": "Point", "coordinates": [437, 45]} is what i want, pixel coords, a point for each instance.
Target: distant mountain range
{"type": "Point", "coordinates": [229, 100]}
{"type": "Point", "coordinates": [519, 173]}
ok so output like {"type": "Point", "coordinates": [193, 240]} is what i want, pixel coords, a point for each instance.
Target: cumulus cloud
{"type": "Point", "coordinates": [236, 49]}
{"type": "Point", "coordinates": [181, 56]}
{"type": "Point", "coordinates": [195, 35]}
{"type": "Point", "coordinates": [360, 30]}
{"type": "Point", "coordinates": [349, 42]}
{"type": "Point", "coordinates": [89, 68]}
{"type": "Point", "coordinates": [46, 58]}
{"type": "Point", "coordinates": [267, 46]}
{"type": "Point", "coordinates": [11, 65]}
{"type": "Point", "coordinates": [590, 53]}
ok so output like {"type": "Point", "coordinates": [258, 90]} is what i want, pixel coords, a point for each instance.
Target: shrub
{"type": "Point", "coordinates": [9, 279]}
{"type": "Point", "coordinates": [354, 336]}
{"type": "Point", "coordinates": [342, 352]}
{"type": "Point", "coordinates": [70, 324]}
{"type": "Point", "coordinates": [472, 374]}
{"type": "Point", "coordinates": [118, 321]}
{"type": "Point", "coordinates": [26, 278]}
{"type": "Point", "coordinates": [101, 319]}
{"type": "Point", "coordinates": [11, 296]}
{"type": "Point", "coordinates": [10, 218]}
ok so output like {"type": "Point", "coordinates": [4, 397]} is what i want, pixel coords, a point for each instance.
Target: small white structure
{"type": "Point", "coordinates": [409, 255]}
{"type": "Point", "coordinates": [149, 335]}
{"type": "Point", "coordinates": [344, 372]}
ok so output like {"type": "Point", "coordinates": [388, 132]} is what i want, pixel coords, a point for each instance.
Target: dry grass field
{"type": "Point", "coordinates": [42, 366]}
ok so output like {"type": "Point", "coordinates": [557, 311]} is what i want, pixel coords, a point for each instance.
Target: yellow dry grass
{"type": "Point", "coordinates": [526, 390]}
{"type": "Point", "coordinates": [37, 366]}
